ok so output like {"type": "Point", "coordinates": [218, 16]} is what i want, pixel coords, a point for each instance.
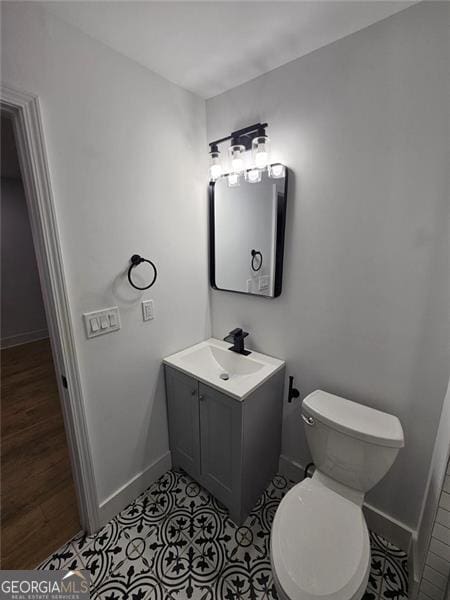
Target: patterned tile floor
{"type": "Point", "coordinates": [175, 542]}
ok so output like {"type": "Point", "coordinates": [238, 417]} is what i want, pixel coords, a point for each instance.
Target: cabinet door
{"type": "Point", "coordinates": [220, 427]}
{"type": "Point", "coordinates": [183, 416]}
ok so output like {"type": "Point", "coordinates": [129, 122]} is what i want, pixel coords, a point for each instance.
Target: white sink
{"type": "Point", "coordinates": [214, 364]}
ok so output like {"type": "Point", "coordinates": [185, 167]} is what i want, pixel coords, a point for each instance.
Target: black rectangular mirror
{"type": "Point", "coordinates": [247, 224]}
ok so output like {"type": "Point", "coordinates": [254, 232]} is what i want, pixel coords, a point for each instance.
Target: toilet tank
{"type": "Point", "coordinates": [351, 443]}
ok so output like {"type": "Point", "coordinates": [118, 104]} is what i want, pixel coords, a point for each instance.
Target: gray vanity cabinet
{"type": "Point", "coordinates": [230, 447]}
{"type": "Point", "coordinates": [182, 396]}
{"type": "Point", "coordinates": [220, 437]}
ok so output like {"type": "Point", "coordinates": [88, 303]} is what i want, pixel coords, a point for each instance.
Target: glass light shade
{"type": "Point", "coordinates": [276, 171]}
{"type": "Point", "coordinates": [237, 157]}
{"type": "Point", "coordinates": [253, 176]}
{"type": "Point", "coordinates": [261, 151]}
{"type": "Point", "coordinates": [215, 168]}
{"type": "Point", "coordinates": [233, 180]}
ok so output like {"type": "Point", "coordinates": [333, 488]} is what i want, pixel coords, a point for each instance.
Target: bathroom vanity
{"type": "Point", "coordinates": [225, 413]}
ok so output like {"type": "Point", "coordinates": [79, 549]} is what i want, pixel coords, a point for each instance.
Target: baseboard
{"type": "Point", "coordinates": [110, 507]}
{"type": "Point", "coordinates": [413, 569]}
{"type": "Point", "coordinates": [387, 526]}
{"type": "Point", "coordinates": [23, 338]}
{"type": "Point", "coordinates": [378, 521]}
{"type": "Point", "coordinates": [290, 468]}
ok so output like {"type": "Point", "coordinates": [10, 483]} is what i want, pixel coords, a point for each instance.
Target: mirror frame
{"type": "Point", "coordinates": [280, 237]}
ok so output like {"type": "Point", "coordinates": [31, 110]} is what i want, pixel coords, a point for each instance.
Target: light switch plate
{"type": "Point", "coordinates": [147, 310]}
{"type": "Point", "coordinates": [100, 322]}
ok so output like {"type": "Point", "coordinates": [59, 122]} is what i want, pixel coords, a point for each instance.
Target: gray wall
{"type": "Point", "coordinates": [363, 125]}
{"type": "Point", "coordinates": [22, 309]}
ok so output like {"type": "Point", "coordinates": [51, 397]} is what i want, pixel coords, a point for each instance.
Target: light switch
{"type": "Point", "coordinates": [147, 310]}
{"type": "Point", "coordinates": [100, 322]}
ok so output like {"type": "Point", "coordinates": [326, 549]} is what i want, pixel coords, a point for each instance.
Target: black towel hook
{"type": "Point", "coordinates": [135, 261]}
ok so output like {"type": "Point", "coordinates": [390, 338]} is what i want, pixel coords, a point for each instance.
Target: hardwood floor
{"type": "Point", "coordinates": [38, 504]}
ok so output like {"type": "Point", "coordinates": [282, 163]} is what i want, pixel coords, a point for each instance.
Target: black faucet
{"type": "Point", "coordinates": [236, 337]}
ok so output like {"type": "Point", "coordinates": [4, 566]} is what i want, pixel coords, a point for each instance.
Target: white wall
{"type": "Point", "coordinates": [125, 150]}
{"type": "Point", "coordinates": [22, 308]}
{"type": "Point", "coordinates": [363, 125]}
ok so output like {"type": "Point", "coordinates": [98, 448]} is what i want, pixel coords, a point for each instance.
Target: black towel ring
{"type": "Point", "coordinates": [256, 253]}
{"type": "Point", "coordinates": [135, 261]}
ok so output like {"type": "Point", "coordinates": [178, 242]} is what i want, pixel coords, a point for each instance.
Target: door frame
{"type": "Point", "coordinates": [24, 110]}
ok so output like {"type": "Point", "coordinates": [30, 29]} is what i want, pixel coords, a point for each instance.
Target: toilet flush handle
{"type": "Point", "coordinates": [308, 420]}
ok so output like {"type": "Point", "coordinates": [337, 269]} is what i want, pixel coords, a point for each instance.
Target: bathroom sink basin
{"type": "Point", "coordinates": [214, 364]}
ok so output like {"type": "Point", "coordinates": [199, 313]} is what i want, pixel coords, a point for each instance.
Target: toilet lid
{"type": "Point", "coordinates": [320, 544]}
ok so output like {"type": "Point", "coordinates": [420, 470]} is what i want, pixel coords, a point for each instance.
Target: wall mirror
{"type": "Point", "coordinates": [247, 223]}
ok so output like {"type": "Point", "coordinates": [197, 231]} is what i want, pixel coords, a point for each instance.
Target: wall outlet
{"type": "Point", "coordinates": [100, 322]}
{"type": "Point", "coordinates": [263, 283]}
{"type": "Point", "coordinates": [147, 310]}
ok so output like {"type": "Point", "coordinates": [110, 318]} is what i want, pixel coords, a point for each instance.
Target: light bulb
{"type": "Point", "coordinates": [261, 159]}
{"type": "Point", "coordinates": [276, 171]}
{"type": "Point", "coordinates": [260, 151]}
{"type": "Point", "coordinates": [253, 175]}
{"type": "Point", "coordinates": [237, 157]}
{"type": "Point", "coordinates": [233, 180]}
{"type": "Point", "coordinates": [215, 168]}
{"type": "Point", "coordinates": [237, 164]}
{"type": "Point", "coordinates": [215, 171]}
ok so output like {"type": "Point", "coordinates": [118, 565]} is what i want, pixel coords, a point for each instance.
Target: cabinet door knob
{"type": "Point", "coordinates": [194, 393]}
{"type": "Point", "coordinates": [201, 398]}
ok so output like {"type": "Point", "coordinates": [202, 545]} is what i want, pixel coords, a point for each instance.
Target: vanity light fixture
{"type": "Point", "coordinates": [233, 180]}
{"type": "Point", "coordinates": [252, 138]}
{"type": "Point", "coordinates": [261, 149]}
{"type": "Point", "coordinates": [276, 171]}
{"type": "Point", "coordinates": [253, 175]}
{"type": "Point", "coordinates": [236, 151]}
{"type": "Point", "coordinates": [215, 167]}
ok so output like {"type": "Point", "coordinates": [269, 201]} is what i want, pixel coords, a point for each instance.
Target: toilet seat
{"type": "Point", "coordinates": [319, 545]}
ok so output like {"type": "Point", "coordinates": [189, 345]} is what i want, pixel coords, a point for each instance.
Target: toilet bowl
{"type": "Point", "coordinates": [319, 541]}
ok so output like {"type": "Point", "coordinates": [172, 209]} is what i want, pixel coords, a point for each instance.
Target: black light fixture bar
{"type": "Point", "coordinates": [242, 135]}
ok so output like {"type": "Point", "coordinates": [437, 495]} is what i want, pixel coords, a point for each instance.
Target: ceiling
{"type": "Point", "coordinates": [209, 47]}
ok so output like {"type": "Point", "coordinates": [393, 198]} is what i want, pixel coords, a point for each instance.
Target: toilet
{"type": "Point", "coordinates": [319, 541]}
